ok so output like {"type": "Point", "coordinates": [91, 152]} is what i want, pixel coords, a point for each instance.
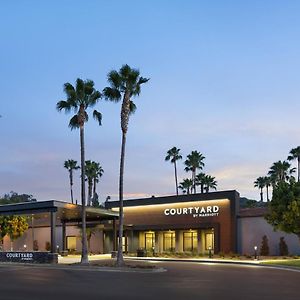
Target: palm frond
{"type": "Point", "coordinates": [114, 78]}
{"type": "Point", "coordinates": [132, 107]}
{"type": "Point", "coordinates": [97, 116]}
{"type": "Point", "coordinates": [143, 80]}
{"type": "Point", "coordinates": [125, 71]}
{"type": "Point", "coordinates": [80, 90]}
{"type": "Point", "coordinates": [64, 105]}
{"type": "Point", "coordinates": [69, 90]}
{"type": "Point", "coordinates": [112, 94]}
{"type": "Point", "coordinates": [94, 98]}
{"type": "Point", "coordinates": [74, 124]}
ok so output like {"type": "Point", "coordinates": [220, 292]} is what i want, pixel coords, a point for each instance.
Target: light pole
{"type": "Point", "coordinates": [255, 252]}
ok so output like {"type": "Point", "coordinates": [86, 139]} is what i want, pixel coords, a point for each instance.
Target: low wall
{"type": "Point", "coordinates": [29, 257]}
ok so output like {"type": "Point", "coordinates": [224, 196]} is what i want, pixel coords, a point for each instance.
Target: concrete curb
{"type": "Point", "coordinates": [82, 268]}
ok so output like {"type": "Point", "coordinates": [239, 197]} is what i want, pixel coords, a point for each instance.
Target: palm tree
{"type": "Point", "coordinates": [71, 165]}
{"type": "Point", "coordinates": [186, 185]}
{"type": "Point", "coordinates": [200, 180]}
{"type": "Point", "coordinates": [280, 171]}
{"type": "Point", "coordinates": [210, 183]}
{"type": "Point", "coordinates": [173, 155]}
{"type": "Point", "coordinates": [260, 183]}
{"type": "Point", "coordinates": [98, 174]}
{"type": "Point", "coordinates": [90, 174]}
{"type": "Point", "coordinates": [79, 99]}
{"type": "Point", "coordinates": [268, 182]}
{"type": "Point", "coordinates": [193, 162]}
{"type": "Point", "coordinates": [124, 85]}
{"type": "Point", "coordinates": [295, 154]}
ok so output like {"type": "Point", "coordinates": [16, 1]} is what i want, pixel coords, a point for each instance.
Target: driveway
{"type": "Point", "coordinates": [180, 281]}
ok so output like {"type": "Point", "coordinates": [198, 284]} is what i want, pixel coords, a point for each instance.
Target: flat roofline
{"type": "Point", "coordinates": [231, 195]}
{"type": "Point", "coordinates": [48, 206]}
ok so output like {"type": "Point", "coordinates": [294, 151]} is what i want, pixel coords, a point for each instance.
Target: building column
{"type": "Point", "coordinates": [199, 240]}
{"type": "Point", "coordinates": [115, 235]}
{"type": "Point", "coordinates": [177, 241]}
{"type": "Point", "coordinates": [53, 231]}
{"type": "Point", "coordinates": [63, 223]}
{"type": "Point", "coordinates": [156, 242]}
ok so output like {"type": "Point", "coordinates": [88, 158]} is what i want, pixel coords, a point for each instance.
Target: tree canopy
{"type": "Point", "coordinates": [284, 209]}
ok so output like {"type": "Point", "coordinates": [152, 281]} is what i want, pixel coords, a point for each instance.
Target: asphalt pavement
{"type": "Point", "coordinates": [179, 281]}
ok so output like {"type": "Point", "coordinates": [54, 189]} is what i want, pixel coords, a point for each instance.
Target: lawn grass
{"type": "Point", "coordinates": [285, 262]}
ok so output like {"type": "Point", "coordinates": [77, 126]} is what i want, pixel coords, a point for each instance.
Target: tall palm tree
{"type": "Point", "coordinates": [267, 184]}
{"type": "Point", "coordinates": [280, 171]}
{"type": "Point", "coordinates": [295, 154]}
{"type": "Point", "coordinates": [210, 183]}
{"type": "Point", "coordinates": [194, 162]}
{"type": "Point", "coordinates": [173, 155]}
{"type": "Point", "coordinates": [98, 174]}
{"type": "Point", "coordinates": [186, 185]}
{"type": "Point", "coordinates": [200, 180]}
{"type": "Point", "coordinates": [260, 183]}
{"type": "Point", "coordinates": [124, 85]}
{"type": "Point", "coordinates": [90, 174]}
{"type": "Point", "coordinates": [71, 165]}
{"type": "Point", "coordinates": [79, 99]}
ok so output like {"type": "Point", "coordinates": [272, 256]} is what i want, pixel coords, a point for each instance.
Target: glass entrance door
{"type": "Point", "coordinates": [149, 240]}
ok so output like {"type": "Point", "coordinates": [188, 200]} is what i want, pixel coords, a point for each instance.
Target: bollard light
{"type": "Point", "coordinates": [255, 252]}
{"type": "Point", "coordinates": [209, 252]}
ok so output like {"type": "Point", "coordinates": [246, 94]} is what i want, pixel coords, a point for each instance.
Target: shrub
{"type": "Point", "coordinates": [264, 248]}
{"type": "Point", "coordinates": [35, 245]}
{"type": "Point", "coordinates": [283, 248]}
{"type": "Point", "coordinates": [48, 246]}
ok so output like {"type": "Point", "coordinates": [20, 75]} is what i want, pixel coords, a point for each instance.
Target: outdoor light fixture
{"type": "Point", "coordinates": [209, 252]}
{"type": "Point", "coordinates": [255, 252]}
{"type": "Point", "coordinates": [25, 246]}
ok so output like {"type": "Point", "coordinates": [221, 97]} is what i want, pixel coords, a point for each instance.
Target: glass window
{"type": "Point", "coordinates": [149, 240]}
{"type": "Point", "coordinates": [169, 241]}
{"type": "Point", "coordinates": [209, 241]}
{"type": "Point", "coordinates": [71, 242]}
{"type": "Point", "coordinates": [190, 241]}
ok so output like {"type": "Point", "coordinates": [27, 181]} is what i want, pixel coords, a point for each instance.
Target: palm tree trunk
{"type": "Point", "coordinates": [202, 188]}
{"type": "Point", "coordinates": [261, 195]}
{"type": "Point", "coordinates": [176, 182]}
{"type": "Point", "coordinates": [120, 260]}
{"type": "Point", "coordinates": [84, 251]}
{"type": "Point", "coordinates": [267, 187]}
{"type": "Point", "coordinates": [90, 188]}
{"type": "Point", "coordinates": [71, 186]}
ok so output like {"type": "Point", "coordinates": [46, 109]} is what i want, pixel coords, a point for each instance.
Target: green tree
{"type": "Point", "coordinates": [284, 209]}
{"type": "Point", "coordinates": [14, 197]}
{"type": "Point", "coordinates": [283, 247]}
{"type": "Point", "coordinates": [200, 180]}
{"type": "Point", "coordinates": [173, 155]}
{"type": "Point", "coordinates": [124, 85]}
{"type": "Point", "coordinates": [295, 154]}
{"type": "Point", "coordinates": [17, 225]}
{"type": "Point", "coordinates": [79, 99]}
{"type": "Point", "coordinates": [264, 248]}
{"type": "Point", "coordinates": [260, 183]}
{"type": "Point", "coordinates": [186, 185]}
{"type": "Point", "coordinates": [280, 171]}
{"type": "Point", "coordinates": [71, 165]}
{"type": "Point", "coordinates": [4, 224]}
{"type": "Point", "coordinates": [210, 183]}
{"type": "Point", "coordinates": [194, 162]}
{"type": "Point", "coordinates": [98, 174]}
{"type": "Point", "coordinates": [90, 173]}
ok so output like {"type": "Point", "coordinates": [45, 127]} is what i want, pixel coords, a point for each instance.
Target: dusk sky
{"type": "Point", "coordinates": [224, 81]}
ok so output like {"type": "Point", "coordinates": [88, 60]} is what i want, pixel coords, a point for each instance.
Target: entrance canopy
{"type": "Point", "coordinates": [65, 212]}
{"type": "Point", "coordinates": [52, 213]}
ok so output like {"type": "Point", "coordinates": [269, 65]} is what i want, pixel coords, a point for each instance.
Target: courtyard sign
{"type": "Point", "coordinates": [195, 211]}
{"type": "Point", "coordinates": [28, 257]}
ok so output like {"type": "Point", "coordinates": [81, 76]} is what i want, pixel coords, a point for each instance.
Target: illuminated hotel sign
{"type": "Point", "coordinates": [195, 211]}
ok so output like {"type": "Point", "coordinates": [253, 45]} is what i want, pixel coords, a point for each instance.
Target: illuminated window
{"type": "Point", "coordinates": [71, 242]}
{"type": "Point", "coordinates": [169, 241]}
{"type": "Point", "coordinates": [209, 241]}
{"type": "Point", "coordinates": [190, 241]}
{"type": "Point", "coordinates": [149, 240]}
